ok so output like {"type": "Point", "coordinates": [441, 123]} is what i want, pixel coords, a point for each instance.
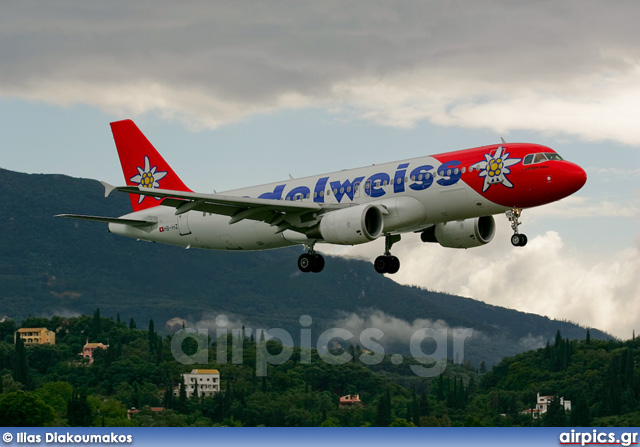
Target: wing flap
{"type": "Point", "coordinates": [237, 208]}
{"type": "Point", "coordinates": [220, 199]}
{"type": "Point", "coordinates": [294, 214]}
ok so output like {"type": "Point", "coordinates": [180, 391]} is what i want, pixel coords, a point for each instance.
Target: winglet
{"type": "Point", "coordinates": [107, 188]}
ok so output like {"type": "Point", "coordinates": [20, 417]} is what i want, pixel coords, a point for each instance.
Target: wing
{"type": "Point", "coordinates": [131, 222]}
{"type": "Point", "coordinates": [295, 215]}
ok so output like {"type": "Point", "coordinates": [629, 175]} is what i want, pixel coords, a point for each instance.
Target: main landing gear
{"type": "Point", "coordinates": [311, 262]}
{"type": "Point", "coordinates": [388, 263]}
{"type": "Point", "coordinates": [518, 239]}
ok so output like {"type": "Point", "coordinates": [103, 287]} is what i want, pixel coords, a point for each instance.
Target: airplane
{"type": "Point", "coordinates": [448, 198]}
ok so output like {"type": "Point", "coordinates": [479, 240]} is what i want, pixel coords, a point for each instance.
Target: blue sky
{"type": "Point", "coordinates": [240, 96]}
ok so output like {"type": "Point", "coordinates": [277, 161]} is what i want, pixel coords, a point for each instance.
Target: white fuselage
{"type": "Point", "coordinates": [416, 193]}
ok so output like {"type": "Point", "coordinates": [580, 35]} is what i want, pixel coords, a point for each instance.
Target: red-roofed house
{"type": "Point", "coordinates": [88, 348]}
{"type": "Point", "coordinates": [350, 400]}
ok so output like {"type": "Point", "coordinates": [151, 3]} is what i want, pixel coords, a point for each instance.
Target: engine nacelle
{"type": "Point", "coordinates": [351, 226]}
{"type": "Point", "coordinates": [462, 233]}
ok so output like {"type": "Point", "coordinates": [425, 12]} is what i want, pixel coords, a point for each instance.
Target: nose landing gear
{"type": "Point", "coordinates": [518, 239]}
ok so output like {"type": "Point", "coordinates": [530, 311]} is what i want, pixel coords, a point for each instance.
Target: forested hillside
{"type": "Point", "coordinates": [56, 266]}
{"type": "Point", "coordinates": [138, 370]}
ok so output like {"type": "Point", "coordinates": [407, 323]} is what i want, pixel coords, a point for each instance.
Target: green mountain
{"type": "Point", "coordinates": [57, 266]}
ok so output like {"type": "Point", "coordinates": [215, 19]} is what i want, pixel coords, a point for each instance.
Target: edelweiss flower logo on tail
{"type": "Point", "coordinates": [495, 169]}
{"type": "Point", "coordinates": [147, 177]}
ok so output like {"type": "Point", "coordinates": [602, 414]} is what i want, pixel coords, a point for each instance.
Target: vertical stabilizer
{"type": "Point", "coordinates": [142, 164]}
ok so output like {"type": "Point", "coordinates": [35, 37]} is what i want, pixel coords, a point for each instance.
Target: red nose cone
{"type": "Point", "coordinates": [573, 177]}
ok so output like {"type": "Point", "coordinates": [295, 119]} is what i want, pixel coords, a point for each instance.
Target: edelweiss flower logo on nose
{"type": "Point", "coordinates": [147, 177]}
{"type": "Point", "coordinates": [495, 169]}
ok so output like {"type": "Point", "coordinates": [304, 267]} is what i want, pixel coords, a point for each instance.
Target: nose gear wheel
{"type": "Point", "coordinates": [518, 239]}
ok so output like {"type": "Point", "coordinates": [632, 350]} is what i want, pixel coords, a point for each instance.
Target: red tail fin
{"type": "Point", "coordinates": [142, 164]}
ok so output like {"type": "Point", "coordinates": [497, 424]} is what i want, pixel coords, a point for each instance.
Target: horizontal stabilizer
{"type": "Point", "coordinates": [117, 220]}
{"type": "Point", "coordinates": [107, 188]}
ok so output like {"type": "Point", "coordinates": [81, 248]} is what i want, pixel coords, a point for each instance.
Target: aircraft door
{"type": "Point", "coordinates": [183, 224]}
{"type": "Point", "coordinates": [356, 190]}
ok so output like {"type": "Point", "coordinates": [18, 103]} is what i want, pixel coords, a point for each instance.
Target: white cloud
{"type": "Point", "coordinates": [569, 68]}
{"type": "Point", "coordinates": [545, 277]}
{"type": "Point", "coordinates": [210, 321]}
{"type": "Point", "coordinates": [601, 109]}
{"type": "Point", "coordinates": [580, 207]}
{"type": "Point", "coordinates": [396, 330]}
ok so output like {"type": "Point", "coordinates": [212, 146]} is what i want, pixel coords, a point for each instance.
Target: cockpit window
{"type": "Point", "coordinates": [540, 157]}
{"type": "Point", "coordinates": [553, 156]}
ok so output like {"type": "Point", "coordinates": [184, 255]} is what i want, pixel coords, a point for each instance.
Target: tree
{"type": "Point", "coordinates": [56, 394]}
{"type": "Point", "coordinates": [7, 329]}
{"type": "Point", "coordinates": [151, 335]}
{"type": "Point", "coordinates": [401, 422]}
{"type": "Point", "coordinates": [383, 412]}
{"type": "Point", "coordinates": [78, 410]}
{"type": "Point", "coordinates": [555, 416]}
{"type": "Point", "coordinates": [158, 349]}
{"type": "Point", "coordinates": [440, 388]}
{"type": "Point", "coordinates": [42, 357]}
{"type": "Point", "coordinates": [24, 409]}
{"type": "Point", "coordinates": [182, 396]}
{"type": "Point", "coordinates": [96, 325]}
{"type": "Point", "coordinates": [580, 416]}
{"type": "Point", "coordinates": [424, 404]}
{"type": "Point", "coordinates": [21, 366]}
{"type": "Point", "coordinates": [414, 416]}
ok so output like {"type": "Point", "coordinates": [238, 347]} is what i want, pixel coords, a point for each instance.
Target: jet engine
{"type": "Point", "coordinates": [461, 233]}
{"type": "Point", "coordinates": [351, 226]}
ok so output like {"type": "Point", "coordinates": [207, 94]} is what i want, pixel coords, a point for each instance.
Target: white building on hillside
{"type": "Point", "coordinates": [206, 382]}
{"type": "Point", "coordinates": [542, 405]}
